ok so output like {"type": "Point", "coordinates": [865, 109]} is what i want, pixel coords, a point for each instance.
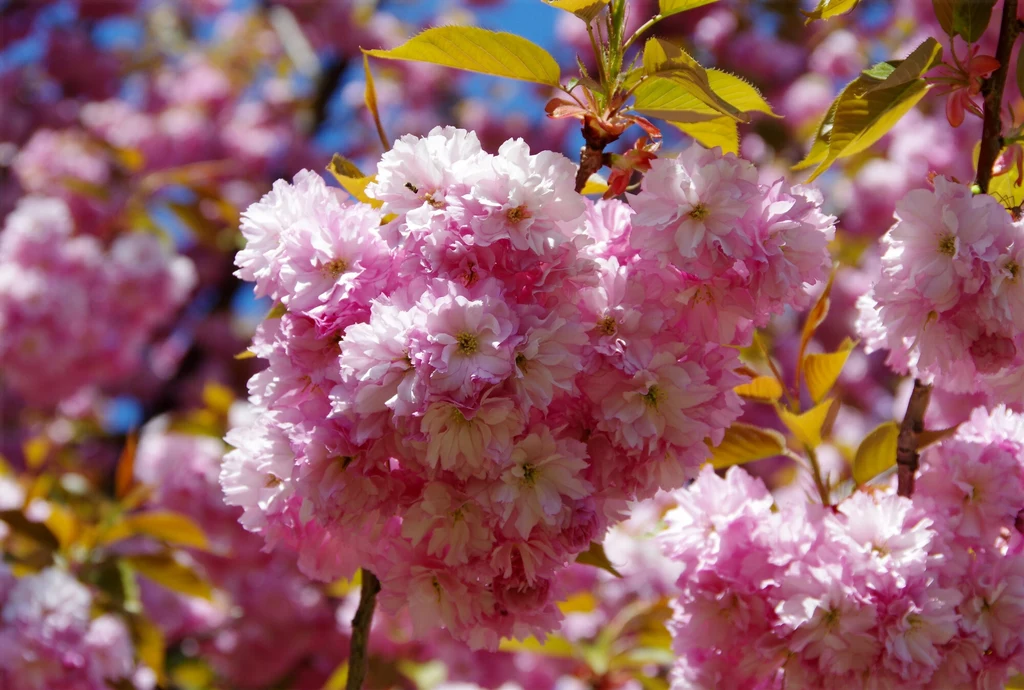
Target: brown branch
{"type": "Point", "coordinates": [591, 160]}
{"type": "Point", "coordinates": [906, 444]}
{"type": "Point", "coordinates": [991, 144]}
{"type": "Point", "coordinates": [358, 657]}
{"type": "Point", "coordinates": [992, 90]}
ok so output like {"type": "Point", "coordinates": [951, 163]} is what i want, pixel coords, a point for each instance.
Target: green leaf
{"type": "Point", "coordinates": [971, 18]}
{"type": "Point", "coordinates": [596, 557]}
{"type": "Point", "coordinates": [745, 443]}
{"type": "Point", "coordinates": [553, 646]}
{"type": "Point", "coordinates": [478, 50]}
{"type": "Point", "coordinates": [861, 120]}
{"type": "Point", "coordinates": [928, 437]}
{"type": "Point", "coordinates": [738, 92]}
{"type": "Point", "coordinates": [808, 426]}
{"type": "Point", "coordinates": [815, 316]}
{"type": "Point", "coordinates": [667, 8]}
{"type": "Point", "coordinates": [900, 72]}
{"type": "Point", "coordinates": [944, 11]}
{"type": "Point", "coordinates": [819, 148]}
{"type": "Point", "coordinates": [586, 10]}
{"type": "Point", "coordinates": [172, 528]}
{"type": "Point", "coordinates": [674, 75]}
{"type": "Point", "coordinates": [876, 453]}
{"type": "Point", "coordinates": [164, 570]}
{"type": "Point", "coordinates": [821, 370]}
{"type": "Point", "coordinates": [827, 9]}
{"type": "Point", "coordinates": [764, 388]}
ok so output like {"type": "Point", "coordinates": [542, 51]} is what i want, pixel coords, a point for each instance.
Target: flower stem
{"type": "Point", "coordinates": [358, 657]}
{"type": "Point", "coordinates": [906, 444]}
{"type": "Point", "coordinates": [819, 482]}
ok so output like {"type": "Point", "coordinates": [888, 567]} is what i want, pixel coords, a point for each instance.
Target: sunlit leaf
{"type": "Point", "coordinates": [586, 10]}
{"type": "Point", "coordinates": [596, 557]}
{"type": "Point", "coordinates": [478, 50]}
{"type": "Point", "coordinates": [552, 646]}
{"type": "Point", "coordinates": [370, 98]}
{"type": "Point", "coordinates": [276, 311]}
{"type": "Point", "coordinates": [164, 570]}
{"type": "Point", "coordinates": [124, 476]}
{"type": "Point", "coordinates": [745, 443]}
{"type": "Point", "coordinates": [819, 147]}
{"type": "Point", "coordinates": [351, 179]}
{"type": "Point", "coordinates": [426, 675]}
{"type": "Point", "coordinates": [920, 60]}
{"type": "Point", "coordinates": [808, 426]}
{"type": "Point", "coordinates": [172, 528]}
{"type": "Point", "coordinates": [1016, 682]}
{"type": "Point", "coordinates": [827, 9]}
{"type": "Point", "coordinates": [720, 131]}
{"type": "Point", "coordinates": [675, 79]}
{"type": "Point", "coordinates": [876, 453]}
{"type": "Point", "coordinates": [193, 674]}
{"type": "Point", "coordinates": [821, 370]}
{"type": "Point", "coordinates": [861, 120]}
{"type": "Point", "coordinates": [595, 185]}
{"type": "Point", "coordinates": [814, 319]}
{"type": "Point", "coordinates": [245, 354]}
{"type": "Point", "coordinates": [667, 8]}
{"type": "Point", "coordinates": [766, 388]}
{"type": "Point", "coordinates": [63, 524]}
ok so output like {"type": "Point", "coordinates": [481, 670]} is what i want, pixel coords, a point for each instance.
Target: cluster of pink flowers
{"type": "Point", "coordinates": [73, 312]}
{"type": "Point", "coordinates": [949, 304]}
{"type": "Point", "coordinates": [880, 592]}
{"type": "Point", "coordinates": [49, 639]}
{"type": "Point", "coordinates": [470, 382]}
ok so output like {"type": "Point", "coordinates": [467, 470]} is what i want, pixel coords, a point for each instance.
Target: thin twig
{"type": "Point", "coordinates": [819, 481]}
{"type": "Point", "coordinates": [358, 658]}
{"type": "Point", "coordinates": [906, 444]}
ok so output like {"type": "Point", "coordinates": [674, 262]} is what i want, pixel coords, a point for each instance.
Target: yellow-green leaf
{"type": "Point", "coordinates": [553, 646]}
{"type": "Point", "coordinates": [807, 426]}
{"type": "Point", "coordinates": [172, 528]}
{"type": "Point", "coordinates": [37, 531]}
{"type": "Point", "coordinates": [586, 10]}
{"type": "Point", "coordinates": [150, 645]}
{"type": "Point", "coordinates": [815, 316]}
{"type": "Point", "coordinates": [920, 60]}
{"type": "Point", "coordinates": [876, 453]}
{"type": "Point", "coordinates": [596, 557]}
{"type": "Point", "coordinates": [193, 674]}
{"type": "Point", "coordinates": [595, 185]}
{"type": "Point", "coordinates": [827, 9]}
{"type": "Point", "coordinates": [927, 437]}
{"type": "Point", "coordinates": [721, 132]}
{"type": "Point", "coordinates": [766, 388]}
{"type": "Point", "coordinates": [667, 8]}
{"type": "Point", "coordinates": [971, 18]}
{"type": "Point", "coordinates": [821, 370]}
{"type": "Point", "coordinates": [676, 79]}
{"type": "Point", "coordinates": [245, 354]}
{"type": "Point", "coordinates": [218, 398]}
{"type": "Point", "coordinates": [36, 450]}
{"type": "Point", "coordinates": [1015, 683]}
{"type": "Point", "coordinates": [861, 120]}
{"type": "Point", "coordinates": [478, 50]}
{"type": "Point", "coordinates": [745, 443]}
{"type": "Point", "coordinates": [351, 179]}
{"type": "Point", "coordinates": [164, 570]}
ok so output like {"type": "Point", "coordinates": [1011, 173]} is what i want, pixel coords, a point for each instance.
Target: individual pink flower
{"type": "Point", "coordinates": [541, 474]}
{"type": "Point", "coordinates": [470, 440]}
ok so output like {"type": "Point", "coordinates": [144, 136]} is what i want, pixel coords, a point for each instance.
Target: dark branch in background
{"type": "Point", "coordinates": [358, 657]}
{"type": "Point", "coordinates": [907, 455]}
{"type": "Point", "coordinates": [326, 85]}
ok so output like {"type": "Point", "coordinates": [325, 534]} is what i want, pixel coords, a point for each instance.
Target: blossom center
{"type": "Point", "coordinates": [947, 245]}
{"type": "Point", "coordinates": [607, 326]}
{"type": "Point", "coordinates": [653, 396]}
{"type": "Point", "coordinates": [529, 474]}
{"type": "Point", "coordinates": [335, 267]}
{"type": "Point", "coordinates": [517, 214]}
{"type": "Point", "coordinates": [1013, 269]}
{"type": "Point", "coordinates": [468, 344]}
{"type": "Point", "coordinates": [522, 362]}
{"type": "Point", "coordinates": [699, 211]}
